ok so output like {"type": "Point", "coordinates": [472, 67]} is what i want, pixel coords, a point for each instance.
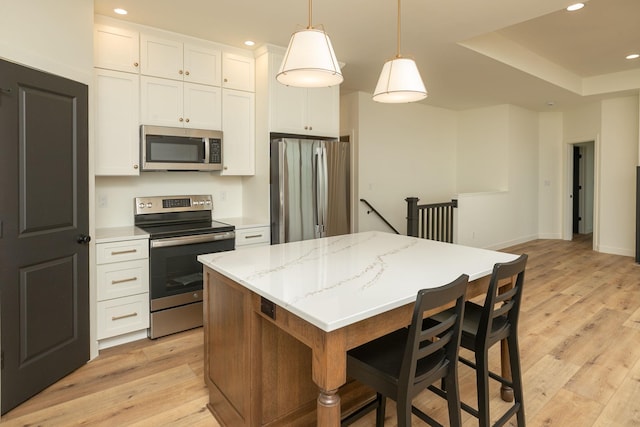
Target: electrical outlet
{"type": "Point", "coordinates": [103, 201]}
{"type": "Point", "coordinates": [223, 195]}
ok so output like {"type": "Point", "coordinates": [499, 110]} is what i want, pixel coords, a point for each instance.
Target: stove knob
{"type": "Point", "coordinates": [141, 205]}
{"type": "Point", "coordinates": [149, 205]}
{"type": "Point", "coordinates": [207, 202]}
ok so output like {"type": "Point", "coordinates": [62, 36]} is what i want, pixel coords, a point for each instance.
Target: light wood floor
{"type": "Point", "coordinates": [580, 351]}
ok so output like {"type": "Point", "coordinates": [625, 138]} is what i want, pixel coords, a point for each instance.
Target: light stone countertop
{"type": "Point", "coordinates": [112, 234]}
{"type": "Point", "coordinates": [336, 281]}
{"type": "Point", "coordinates": [244, 222]}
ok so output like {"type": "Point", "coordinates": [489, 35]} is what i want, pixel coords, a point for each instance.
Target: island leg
{"type": "Point", "coordinates": [329, 408]}
{"type": "Point", "coordinates": [506, 392]}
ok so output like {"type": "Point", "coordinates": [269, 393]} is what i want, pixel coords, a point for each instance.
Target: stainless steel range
{"type": "Point", "coordinates": [180, 228]}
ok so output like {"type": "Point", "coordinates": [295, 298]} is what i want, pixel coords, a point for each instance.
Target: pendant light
{"type": "Point", "coordinates": [400, 79]}
{"type": "Point", "coordinates": [310, 60]}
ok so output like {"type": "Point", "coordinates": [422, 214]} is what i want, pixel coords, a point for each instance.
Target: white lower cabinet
{"type": "Point", "coordinates": [254, 236]}
{"type": "Point", "coordinates": [122, 290]}
{"type": "Point", "coordinates": [123, 315]}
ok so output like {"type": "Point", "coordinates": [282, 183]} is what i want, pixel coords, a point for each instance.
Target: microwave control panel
{"type": "Point", "coordinates": [215, 151]}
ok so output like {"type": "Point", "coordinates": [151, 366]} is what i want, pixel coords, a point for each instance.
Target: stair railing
{"type": "Point", "coordinates": [372, 209]}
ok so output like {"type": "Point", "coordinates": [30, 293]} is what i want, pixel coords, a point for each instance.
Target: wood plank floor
{"type": "Point", "coordinates": [580, 351]}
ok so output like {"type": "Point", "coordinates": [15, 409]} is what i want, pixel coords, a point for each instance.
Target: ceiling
{"type": "Point", "coordinates": [531, 53]}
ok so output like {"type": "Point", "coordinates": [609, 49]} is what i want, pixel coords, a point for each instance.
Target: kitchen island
{"type": "Point", "coordinates": [279, 319]}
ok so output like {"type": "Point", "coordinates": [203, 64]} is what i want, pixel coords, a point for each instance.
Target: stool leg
{"type": "Point", "coordinates": [482, 378]}
{"type": "Point", "coordinates": [380, 410]}
{"type": "Point", "coordinates": [453, 398]}
{"type": "Point", "coordinates": [516, 374]}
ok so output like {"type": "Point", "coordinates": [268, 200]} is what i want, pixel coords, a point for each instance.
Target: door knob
{"type": "Point", "coordinates": [83, 239]}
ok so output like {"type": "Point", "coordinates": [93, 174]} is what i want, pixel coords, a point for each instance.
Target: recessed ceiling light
{"type": "Point", "coordinates": [633, 56]}
{"type": "Point", "coordinates": [249, 43]}
{"type": "Point", "coordinates": [575, 6]}
{"type": "Point", "coordinates": [120, 11]}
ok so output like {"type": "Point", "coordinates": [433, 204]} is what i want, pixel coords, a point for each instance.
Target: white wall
{"type": "Point", "coordinates": [618, 155]}
{"type": "Point", "coordinates": [482, 156]}
{"type": "Point", "coordinates": [550, 183]}
{"type": "Point", "coordinates": [509, 162]}
{"type": "Point", "coordinates": [403, 150]}
{"type": "Point", "coordinates": [114, 195]}
{"type": "Point", "coordinates": [53, 36]}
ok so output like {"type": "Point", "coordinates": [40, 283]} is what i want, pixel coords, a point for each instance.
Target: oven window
{"type": "Point", "coordinates": [175, 269]}
{"type": "Point", "coordinates": [175, 149]}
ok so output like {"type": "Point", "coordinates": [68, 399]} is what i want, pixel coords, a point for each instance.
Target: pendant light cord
{"type": "Point", "coordinates": [398, 48]}
{"type": "Point", "coordinates": [310, 16]}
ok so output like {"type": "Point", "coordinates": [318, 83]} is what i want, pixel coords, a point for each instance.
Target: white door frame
{"type": "Point", "coordinates": [567, 226]}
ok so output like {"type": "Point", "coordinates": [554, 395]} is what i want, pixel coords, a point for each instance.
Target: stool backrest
{"type": "Point", "coordinates": [424, 339]}
{"type": "Point", "coordinates": [502, 308]}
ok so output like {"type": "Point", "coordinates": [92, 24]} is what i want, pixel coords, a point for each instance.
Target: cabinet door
{"type": "Point", "coordinates": [288, 109]}
{"type": "Point", "coordinates": [161, 102]}
{"type": "Point", "coordinates": [201, 65]}
{"type": "Point", "coordinates": [117, 123]}
{"type": "Point", "coordinates": [238, 72]}
{"type": "Point", "coordinates": [116, 48]}
{"type": "Point", "coordinates": [202, 106]}
{"type": "Point", "coordinates": [238, 126]}
{"type": "Point", "coordinates": [323, 111]}
{"type": "Point", "coordinates": [161, 57]}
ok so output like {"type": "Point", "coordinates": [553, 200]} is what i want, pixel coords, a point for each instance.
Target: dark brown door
{"type": "Point", "coordinates": [44, 270]}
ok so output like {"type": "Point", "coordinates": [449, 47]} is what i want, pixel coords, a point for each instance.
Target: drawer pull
{"type": "Point", "coordinates": [130, 279]}
{"type": "Point", "coordinates": [253, 236]}
{"type": "Point", "coordinates": [124, 316]}
{"type": "Point", "coordinates": [130, 251]}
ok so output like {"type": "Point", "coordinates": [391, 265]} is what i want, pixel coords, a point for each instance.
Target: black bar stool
{"type": "Point", "coordinates": [485, 326]}
{"type": "Point", "coordinates": [400, 365]}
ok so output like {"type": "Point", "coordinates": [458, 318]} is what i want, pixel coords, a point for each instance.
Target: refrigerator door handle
{"type": "Point", "coordinates": [321, 193]}
{"type": "Point", "coordinates": [283, 177]}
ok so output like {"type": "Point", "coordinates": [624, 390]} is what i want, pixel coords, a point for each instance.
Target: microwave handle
{"type": "Point", "coordinates": [207, 149]}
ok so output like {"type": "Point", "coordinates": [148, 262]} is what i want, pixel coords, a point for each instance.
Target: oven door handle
{"type": "Point", "coordinates": [188, 240]}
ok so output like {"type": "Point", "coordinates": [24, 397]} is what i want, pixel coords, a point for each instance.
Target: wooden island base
{"type": "Point", "coordinates": [265, 366]}
{"type": "Point", "coordinates": [257, 374]}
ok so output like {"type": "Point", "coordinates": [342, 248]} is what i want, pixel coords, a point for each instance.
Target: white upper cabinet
{"type": "Point", "coordinates": [238, 125]}
{"type": "Point", "coordinates": [116, 125]}
{"type": "Point", "coordinates": [306, 111]}
{"type": "Point", "coordinates": [172, 59]}
{"type": "Point", "coordinates": [167, 102]}
{"type": "Point", "coordinates": [238, 72]}
{"type": "Point", "coordinates": [116, 48]}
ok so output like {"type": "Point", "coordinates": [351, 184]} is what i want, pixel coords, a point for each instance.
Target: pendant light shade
{"type": "Point", "coordinates": [310, 60]}
{"type": "Point", "coordinates": [400, 79]}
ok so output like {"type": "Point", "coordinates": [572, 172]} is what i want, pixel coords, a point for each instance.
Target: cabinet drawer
{"type": "Point", "coordinates": [122, 279]}
{"type": "Point", "coordinates": [122, 251]}
{"type": "Point", "coordinates": [253, 236]}
{"type": "Point", "coordinates": [122, 315]}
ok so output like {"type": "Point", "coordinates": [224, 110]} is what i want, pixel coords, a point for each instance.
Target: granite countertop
{"type": "Point", "coordinates": [336, 281]}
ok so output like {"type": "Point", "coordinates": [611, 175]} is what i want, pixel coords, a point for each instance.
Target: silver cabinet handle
{"type": "Point", "coordinates": [128, 251]}
{"type": "Point", "coordinates": [253, 236]}
{"type": "Point", "coordinates": [124, 316]}
{"type": "Point", "coordinates": [117, 282]}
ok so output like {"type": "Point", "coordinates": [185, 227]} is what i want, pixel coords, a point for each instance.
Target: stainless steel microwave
{"type": "Point", "coordinates": [180, 149]}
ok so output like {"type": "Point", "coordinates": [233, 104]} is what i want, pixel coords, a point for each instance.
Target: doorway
{"type": "Point", "coordinates": [44, 224]}
{"type": "Point", "coordinates": [582, 187]}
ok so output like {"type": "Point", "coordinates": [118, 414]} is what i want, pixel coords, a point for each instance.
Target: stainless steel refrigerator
{"type": "Point", "coordinates": [310, 188]}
